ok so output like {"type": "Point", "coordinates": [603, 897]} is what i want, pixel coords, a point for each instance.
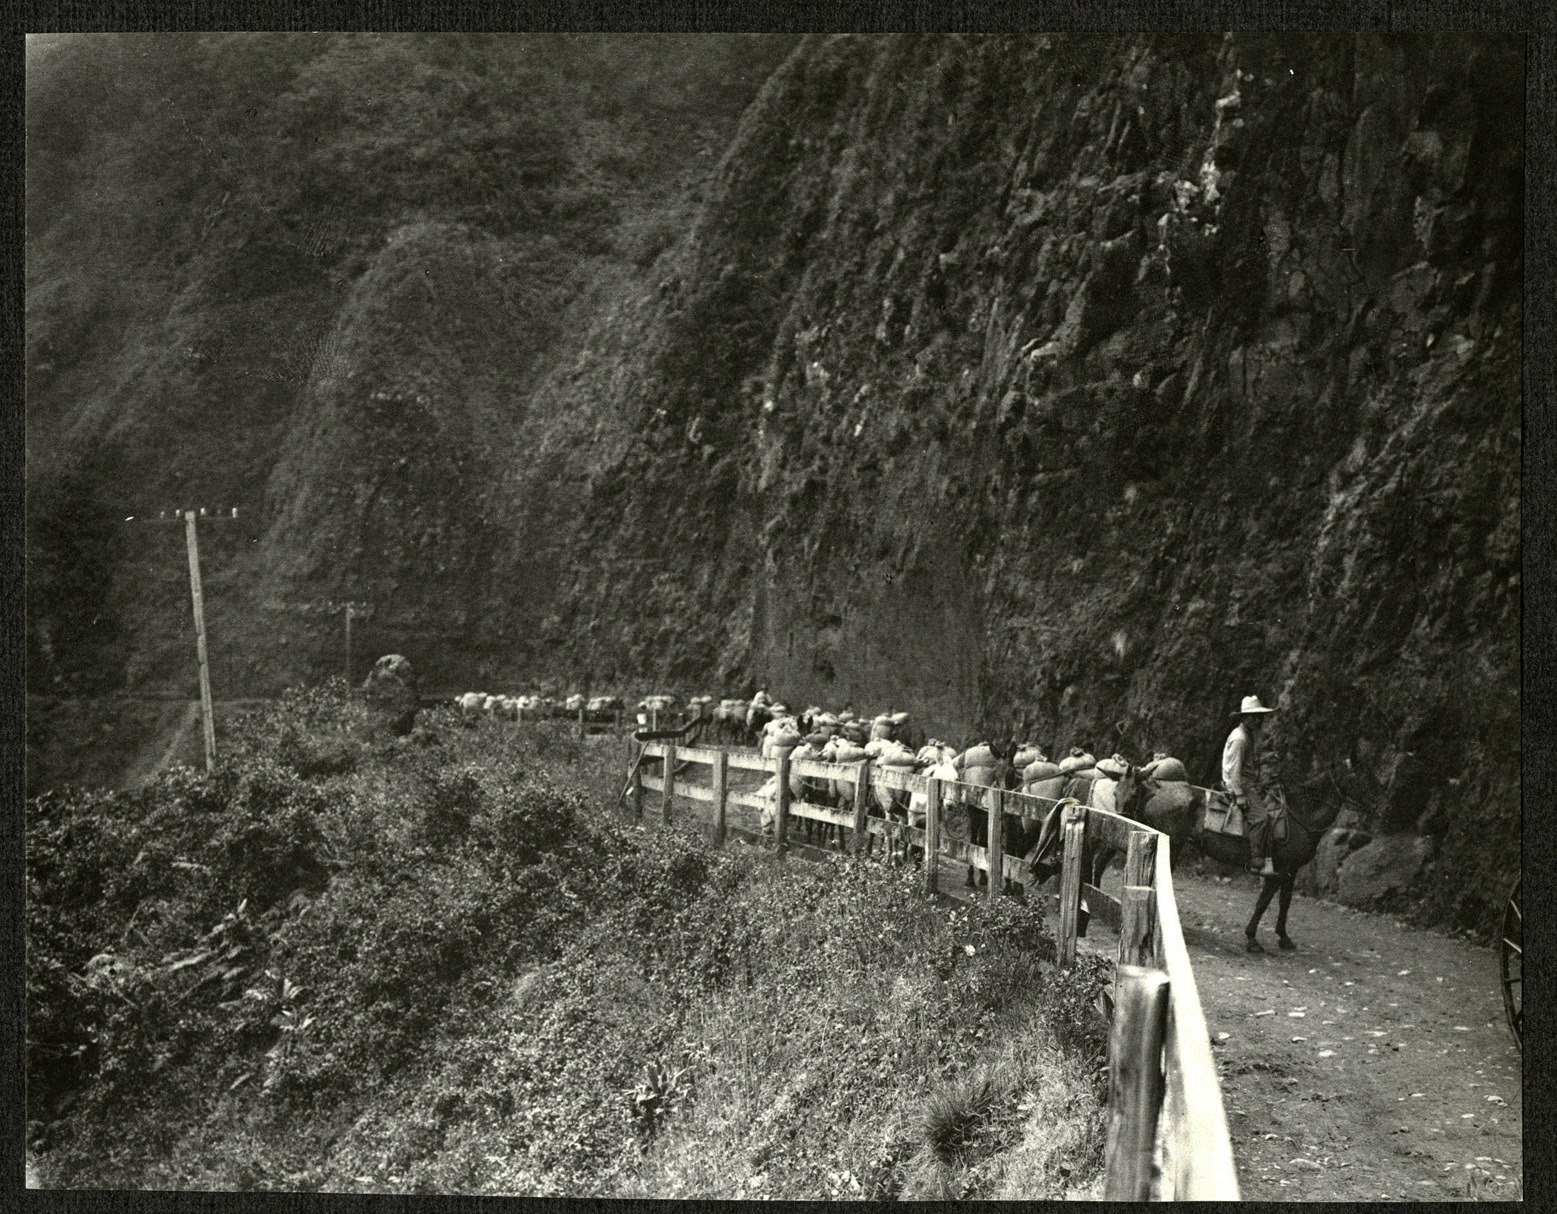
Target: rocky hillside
{"type": "Point", "coordinates": [1072, 385]}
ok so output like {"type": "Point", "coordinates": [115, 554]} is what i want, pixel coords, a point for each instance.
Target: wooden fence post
{"type": "Point", "coordinates": [670, 780]}
{"type": "Point", "coordinates": [996, 849]}
{"type": "Point", "coordinates": [1135, 1082]}
{"type": "Point", "coordinates": [932, 834]}
{"type": "Point", "coordinates": [781, 807]}
{"type": "Point", "coordinates": [581, 724]}
{"type": "Point", "coordinates": [1075, 831]}
{"type": "Point", "coordinates": [1137, 903]}
{"type": "Point", "coordinates": [861, 806]}
{"type": "Point", "coordinates": [1160, 857]}
{"type": "Point", "coordinates": [721, 783]}
{"type": "Point", "coordinates": [636, 795]}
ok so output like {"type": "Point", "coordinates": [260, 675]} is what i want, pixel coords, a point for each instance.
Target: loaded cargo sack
{"type": "Point", "coordinates": [897, 757]}
{"type": "Point", "coordinates": [1113, 767]}
{"type": "Point", "coordinates": [1026, 755]}
{"type": "Point", "coordinates": [848, 752]}
{"type": "Point", "coordinates": [1223, 816]}
{"type": "Point", "coordinates": [1077, 760]}
{"type": "Point", "coordinates": [781, 745]}
{"type": "Point", "coordinates": [1167, 769]}
{"type": "Point", "coordinates": [1042, 772]}
{"type": "Point", "coordinates": [977, 765]}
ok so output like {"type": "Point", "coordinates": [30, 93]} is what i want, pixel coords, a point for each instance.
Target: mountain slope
{"type": "Point", "coordinates": [1075, 386]}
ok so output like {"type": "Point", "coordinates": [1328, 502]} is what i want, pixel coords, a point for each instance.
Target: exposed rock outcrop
{"type": "Point", "coordinates": [391, 694]}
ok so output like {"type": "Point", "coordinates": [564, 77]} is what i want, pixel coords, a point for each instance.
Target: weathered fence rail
{"type": "Point", "coordinates": [1167, 1137]}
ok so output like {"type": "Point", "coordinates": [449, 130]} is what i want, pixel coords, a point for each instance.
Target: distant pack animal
{"type": "Point", "coordinates": [981, 766]}
{"type": "Point", "coordinates": [602, 709]}
{"type": "Point", "coordinates": [889, 755]}
{"type": "Point", "coordinates": [935, 759]}
{"type": "Point", "coordinates": [655, 711]}
{"type": "Point", "coordinates": [848, 754]}
{"type": "Point", "coordinates": [730, 721]}
{"type": "Point", "coordinates": [779, 736]}
{"type": "Point", "coordinates": [758, 713]}
{"type": "Point", "coordinates": [816, 790]}
{"type": "Point", "coordinates": [471, 705]}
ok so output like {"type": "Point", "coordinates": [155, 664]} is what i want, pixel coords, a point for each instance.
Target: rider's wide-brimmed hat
{"type": "Point", "coordinates": [1252, 707]}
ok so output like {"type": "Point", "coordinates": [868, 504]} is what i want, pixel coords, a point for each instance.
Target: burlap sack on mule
{"type": "Point", "coordinates": [1223, 817]}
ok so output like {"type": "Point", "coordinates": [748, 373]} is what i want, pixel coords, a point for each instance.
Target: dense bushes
{"type": "Point", "coordinates": [442, 963]}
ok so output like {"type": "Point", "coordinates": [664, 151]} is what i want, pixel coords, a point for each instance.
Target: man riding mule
{"type": "Point", "coordinates": [1248, 773]}
{"type": "Point", "coordinates": [1184, 813]}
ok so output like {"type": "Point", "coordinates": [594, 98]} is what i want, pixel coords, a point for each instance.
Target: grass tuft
{"type": "Point", "coordinates": [955, 1114]}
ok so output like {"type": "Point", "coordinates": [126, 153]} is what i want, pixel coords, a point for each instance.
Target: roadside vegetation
{"type": "Point", "coordinates": [442, 964]}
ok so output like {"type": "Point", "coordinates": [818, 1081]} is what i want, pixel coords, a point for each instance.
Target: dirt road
{"type": "Point", "coordinates": [1372, 1064]}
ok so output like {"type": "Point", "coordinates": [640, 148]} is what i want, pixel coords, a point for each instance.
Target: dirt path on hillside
{"type": "Point", "coordinates": [1374, 1063]}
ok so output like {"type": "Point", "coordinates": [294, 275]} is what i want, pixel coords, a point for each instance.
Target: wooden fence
{"type": "Point", "coordinates": [1167, 1135]}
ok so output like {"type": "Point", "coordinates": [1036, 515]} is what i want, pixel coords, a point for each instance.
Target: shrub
{"type": "Point", "coordinates": [526, 995]}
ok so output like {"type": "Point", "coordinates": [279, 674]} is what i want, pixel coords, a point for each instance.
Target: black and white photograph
{"type": "Point", "coordinates": [774, 615]}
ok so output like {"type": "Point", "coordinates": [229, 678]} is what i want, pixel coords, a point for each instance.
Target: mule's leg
{"type": "Point", "coordinates": [970, 881]}
{"type": "Point", "coordinates": [1282, 939]}
{"type": "Point", "coordinates": [1037, 872]}
{"type": "Point", "coordinates": [1013, 840]}
{"type": "Point", "coordinates": [978, 835]}
{"type": "Point", "coordinates": [1267, 892]}
{"type": "Point", "coordinates": [870, 839]}
{"type": "Point", "coordinates": [1099, 865]}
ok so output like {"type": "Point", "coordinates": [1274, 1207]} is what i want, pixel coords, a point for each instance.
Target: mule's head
{"type": "Point", "coordinates": [1129, 791]}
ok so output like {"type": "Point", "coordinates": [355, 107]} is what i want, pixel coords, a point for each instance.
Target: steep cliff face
{"type": "Point", "coordinates": [1082, 386]}
{"type": "Point", "coordinates": [1075, 386]}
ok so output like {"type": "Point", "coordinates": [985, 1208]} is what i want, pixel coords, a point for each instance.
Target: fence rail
{"type": "Point", "coordinates": [1167, 1137]}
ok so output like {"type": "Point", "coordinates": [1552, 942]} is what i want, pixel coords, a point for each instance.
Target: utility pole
{"type": "Point", "coordinates": [350, 610]}
{"type": "Point", "coordinates": [207, 718]}
{"type": "Point", "coordinates": [197, 600]}
{"type": "Point", "coordinates": [359, 609]}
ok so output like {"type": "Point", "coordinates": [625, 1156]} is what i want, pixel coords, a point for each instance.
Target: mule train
{"type": "Point", "coordinates": [476, 705]}
{"type": "Point", "coordinates": [1157, 794]}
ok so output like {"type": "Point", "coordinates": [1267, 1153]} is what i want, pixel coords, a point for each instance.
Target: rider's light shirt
{"type": "Point", "coordinates": [1233, 758]}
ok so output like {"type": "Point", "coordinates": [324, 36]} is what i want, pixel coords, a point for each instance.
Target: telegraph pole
{"type": "Point", "coordinates": [362, 610]}
{"type": "Point", "coordinates": [197, 599]}
{"type": "Point", "coordinates": [208, 720]}
{"type": "Point", "coordinates": [350, 610]}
